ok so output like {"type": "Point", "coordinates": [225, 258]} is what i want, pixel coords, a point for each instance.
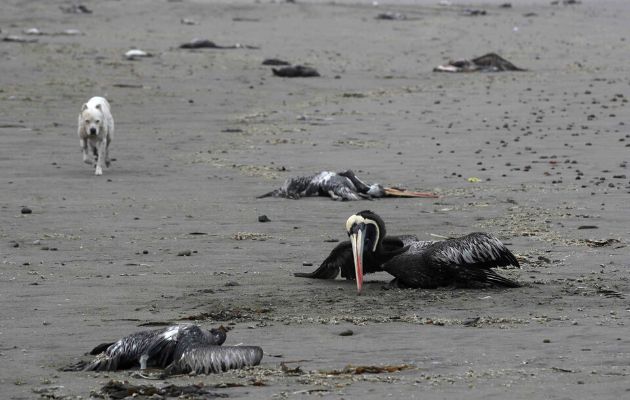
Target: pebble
{"type": "Point", "coordinates": [263, 218]}
{"type": "Point", "coordinates": [347, 332]}
{"type": "Point", "coordinates": [184, 253]}
{"type": "Point", "coordinates": [26, 210]}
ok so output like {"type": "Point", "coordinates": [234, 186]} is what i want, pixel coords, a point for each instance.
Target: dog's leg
{"type": "Point", "coordinates": [100, 157]}
{"type": "Point", "coordinates": [84, 148]}
{"type": "Point", "coordinates": [107, 160]}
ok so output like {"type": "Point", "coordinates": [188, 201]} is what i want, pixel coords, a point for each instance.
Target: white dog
{"type": "Point", "coordinates": [96, 131]}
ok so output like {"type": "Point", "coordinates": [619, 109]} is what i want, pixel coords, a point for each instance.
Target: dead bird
{"type": "Point", "coordinates": [338, 186]}
{"type": "Point", "coordinates": [209, 44]}
{"type": "Point", "coordinates": [490, 62]}
{"type": "Point", "coordinates": [295, 71]}
{"type": "Point", "coordinates": [275, 62]}
{"type": "Point", "coordinates": [178, 349]}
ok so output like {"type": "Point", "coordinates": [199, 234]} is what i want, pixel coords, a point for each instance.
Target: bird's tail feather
{"type": "Point", "coordinates": [498, 280]}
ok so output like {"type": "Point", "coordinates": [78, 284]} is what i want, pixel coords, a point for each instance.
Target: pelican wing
{"type": "Point", "coordinates": [125, 353]}
{"type": "Point", "coordinates": [463, 261]}
{"type": "Point", "coordinates": [206, 359]}
{"type": "Point", "coordinates": [339, 257]}
{"type": "Point", "coordinates": [478, 250]}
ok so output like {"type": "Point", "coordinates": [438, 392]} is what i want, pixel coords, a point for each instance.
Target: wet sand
{"type": "Point", "coordinates": [200, 133]}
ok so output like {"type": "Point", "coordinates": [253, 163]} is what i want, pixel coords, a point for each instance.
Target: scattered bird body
{"type": "Point", "coordinates": [295, 71]}
{"type": "Point", "coordinates": [338, 186]}
{"type": "Point", "coordinates": [490, 62]}
{"type": "Point", "coordinates": [178, 349]}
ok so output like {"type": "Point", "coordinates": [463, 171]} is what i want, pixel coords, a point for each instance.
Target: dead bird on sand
{"type": "Point", "coordinates": [338, 186]}
{"type": "Point", "coordinates": [490, 62]}
{"type": "Point", "coordinates": [178, 349]}
{"type": "Point", "coordinates": [295, 71]}
{"type": "Point", "coordinates": [209, 44]}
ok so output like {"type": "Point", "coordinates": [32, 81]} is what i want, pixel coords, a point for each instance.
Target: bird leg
{"type": "Point", "coordinates": [143, 361]}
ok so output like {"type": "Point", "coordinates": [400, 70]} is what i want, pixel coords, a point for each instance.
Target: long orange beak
{"type": "Point", "coordinates": [357, 251]}
{"type": "Point", "coordinates": [393, 192]}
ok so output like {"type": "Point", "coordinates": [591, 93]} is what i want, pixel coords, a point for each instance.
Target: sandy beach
{"type": "Point", "coordinates": [538, 157]}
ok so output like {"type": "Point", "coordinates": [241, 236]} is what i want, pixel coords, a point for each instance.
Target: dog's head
{"type": "Point", "coordinates": [92, 119]}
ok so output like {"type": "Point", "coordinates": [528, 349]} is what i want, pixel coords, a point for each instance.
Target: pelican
{"type": "Point", "coordinates": [490, 62]}
{"type": "Point", "coordinates": [338, 186]}
{"type": "Point", "coordinates": [179, 349]}
{"type": "Point", "coordinates": [466, 261]}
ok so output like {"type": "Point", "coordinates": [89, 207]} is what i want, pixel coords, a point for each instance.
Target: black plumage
{"type": "Point", "coordinates": [178, 349]}
{"type": "Point", "coordinates": [341, 259]}
{"type": "Point", "coordinates": [463, 262]}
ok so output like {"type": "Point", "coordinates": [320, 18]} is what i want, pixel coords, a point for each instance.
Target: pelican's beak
{"type": "Point", "coordinates": [356, 239]}
{"type": "Point", "coordinates": [393, 192]}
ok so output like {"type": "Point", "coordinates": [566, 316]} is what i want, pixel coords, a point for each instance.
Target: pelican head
{"type": "Point", "coordinates": [366, 231]}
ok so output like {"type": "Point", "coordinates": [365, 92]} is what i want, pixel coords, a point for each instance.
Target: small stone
{"type": "Point", "coordinates": [184, 253]}
{"type": "Point", "coordinates": [546, 341]}
{"type": "Point", "coordinates": [232, 283]}
{"type": "Point", "coordinates": [263, 218]}
{"type": "Point", "coordinates": [307, 264]}
{"type": "Point", "coordinates": [26, 210]}
{"type": "Point", "coordinates": [347, 332]}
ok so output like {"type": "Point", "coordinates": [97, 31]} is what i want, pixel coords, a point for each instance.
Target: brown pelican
{"type": "Point", "coordinates": [463, 262]}
{"type": "Point", "coordinates": [339, 186]}
{"type": "Point", "coordinates": [179, 349]}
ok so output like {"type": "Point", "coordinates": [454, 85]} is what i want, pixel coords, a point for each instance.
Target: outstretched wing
{"type": "Point", "coordinates": [339, 258]}
{"type": "Point", "coordinates": [124, 353]}
{"type": "Point", "coordinates": [206, 359]}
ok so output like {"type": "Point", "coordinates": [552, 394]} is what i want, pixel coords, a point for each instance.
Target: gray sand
{"type": "Point", "coordinates": [201, 133]}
